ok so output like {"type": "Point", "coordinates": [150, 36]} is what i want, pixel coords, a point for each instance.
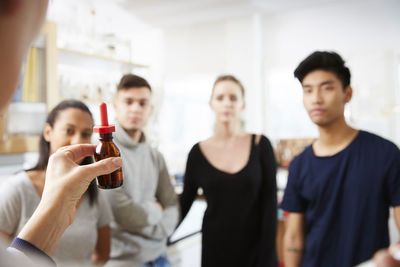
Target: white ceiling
{"type": "Point", "coordinates": [166, 13]}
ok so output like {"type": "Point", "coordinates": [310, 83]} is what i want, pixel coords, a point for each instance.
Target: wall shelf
{"type": "Point", "coordinates": [56, 61]}
{"type": "Point", "coordinates": [20, 144]}
{"type": "Point", "coordinates": [75, 55]}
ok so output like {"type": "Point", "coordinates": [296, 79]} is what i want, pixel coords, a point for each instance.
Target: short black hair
{"type": "Point", "coordinates": [131, 80]}
{"type": "Point", "coordinates": [324, 60]}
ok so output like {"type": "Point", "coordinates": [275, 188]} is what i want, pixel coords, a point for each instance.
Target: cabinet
{"type": "Point", "coordinates": [63, 73]}
{"type": "Point", "coordinates": [13, 142]}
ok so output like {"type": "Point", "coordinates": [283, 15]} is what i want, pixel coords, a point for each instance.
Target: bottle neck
{"type": "Point", "coordinates": [106, 136]}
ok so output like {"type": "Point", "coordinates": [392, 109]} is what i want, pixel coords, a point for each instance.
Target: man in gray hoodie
{"type": "Point", "coordinates": [145, 208]}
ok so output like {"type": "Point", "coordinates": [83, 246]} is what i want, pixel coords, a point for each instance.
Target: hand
{"type": "Point", "coordinates": [160, 205]}
{"type": "Point", "coordinates": [388, 257]}
{"type": "Point", "coordinates": [66, 181]}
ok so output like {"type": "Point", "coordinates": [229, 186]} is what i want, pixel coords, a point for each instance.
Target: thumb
{"type": "Point", "coordinates": [395, 252]}
{"type": "Point", "coordinates": [101, 167]}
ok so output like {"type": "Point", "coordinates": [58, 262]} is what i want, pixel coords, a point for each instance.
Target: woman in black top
{"type": "Point", "coordinates": [236, 171]}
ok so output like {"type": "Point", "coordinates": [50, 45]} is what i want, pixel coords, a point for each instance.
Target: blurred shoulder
{"type": "Point", "coordinates": [261, 140]}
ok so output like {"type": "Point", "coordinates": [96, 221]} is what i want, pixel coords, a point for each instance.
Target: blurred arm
{"type": "Point", "coordinates": [20, 22]}
{"type": "Point", "coordinates": [294, 240]}
{"type": "Point", "coordinates": [101, 252]}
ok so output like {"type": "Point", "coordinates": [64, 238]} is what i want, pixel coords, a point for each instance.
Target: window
{"type": "Point", "coordinates": [185, 117]}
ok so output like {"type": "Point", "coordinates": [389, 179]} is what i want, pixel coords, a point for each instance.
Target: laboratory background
{"type": "Point", "coordinates": [180, 47]}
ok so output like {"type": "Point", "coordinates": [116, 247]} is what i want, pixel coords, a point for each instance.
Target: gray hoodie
{"type": "Point", "coordinates": [141, 227]}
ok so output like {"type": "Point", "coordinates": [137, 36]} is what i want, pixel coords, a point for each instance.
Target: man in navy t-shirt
{"type": "Point", "coordinates": [341, 187]}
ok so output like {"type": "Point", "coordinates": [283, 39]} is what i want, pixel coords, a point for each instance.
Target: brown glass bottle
{"type": "Point", "coordinates": [105, 149]}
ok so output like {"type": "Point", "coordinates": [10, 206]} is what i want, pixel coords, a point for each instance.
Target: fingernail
{"type": "Point", "coordinates": [117, 162]}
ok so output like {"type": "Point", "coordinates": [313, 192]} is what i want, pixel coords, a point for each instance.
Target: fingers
{"type": "Point", "coordinates": [77, 152]}
{"type": "Point", "coordinates": [394, 250]}
{"type": "Point", "coordinates": [101, 167]}
{"type": "Point", "coordinates": [160, 205]}
{"type": "Point", "coordinates": [382, 258]}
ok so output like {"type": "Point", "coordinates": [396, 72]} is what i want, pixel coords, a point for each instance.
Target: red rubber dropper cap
{"type": "Point", "coordinates": [104, 127]}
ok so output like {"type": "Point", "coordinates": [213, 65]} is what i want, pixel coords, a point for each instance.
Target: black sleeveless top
{"type": "Point", "coordinates": [239, 224]}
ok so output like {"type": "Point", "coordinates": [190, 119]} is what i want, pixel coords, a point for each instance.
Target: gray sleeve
{"type": "Point", "coordinates": [14, 257]}
{"type": "Point", "coordinates": [130, 215]}
{"type": "Point", "coordinates": [10, 207]}
{"type": "Point", "coordinates": [105, 215]}
{"type": "Point", "coordinates": [166, 196]}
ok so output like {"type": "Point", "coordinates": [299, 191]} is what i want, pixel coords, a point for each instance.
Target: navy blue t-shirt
{"type": "Point", "coordinates": [346, 199]}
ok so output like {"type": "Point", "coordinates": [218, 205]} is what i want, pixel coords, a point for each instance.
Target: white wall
{"type": "Point", "coordinates": [195, 48]}
{"type": "Point", "coordinates": [194, 56]}
{"type": "Point", "coordinates": [219, 48]}
{"type": "Point", "coordinates": [366, 34]}
{"type": "Point", "coordinates": [264, 52]}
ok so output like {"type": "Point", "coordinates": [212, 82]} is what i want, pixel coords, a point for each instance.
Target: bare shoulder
{"type": "Point", "coordinates": [38, 178]}
{"type": "Point", "coordinates": [257, 138]}
{"type": "Point", "coordinates": [206, 142]}
{"type": "Point", "coordinates": [34, 175]}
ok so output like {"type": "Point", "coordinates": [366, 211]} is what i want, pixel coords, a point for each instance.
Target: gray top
{"type": "Point", "coordinates": [141, 227]}
{"type": "Point", "coordinates": [18, 201]}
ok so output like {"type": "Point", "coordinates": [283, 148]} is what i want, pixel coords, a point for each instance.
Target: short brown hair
{"type": "Point", "coordinates": [131, 80]}
{"type": "Point", "coordinates": [231, 78]}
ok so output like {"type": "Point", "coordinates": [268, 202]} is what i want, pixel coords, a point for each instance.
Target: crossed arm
{"type": "Point", "coordinates": [155, 219]}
